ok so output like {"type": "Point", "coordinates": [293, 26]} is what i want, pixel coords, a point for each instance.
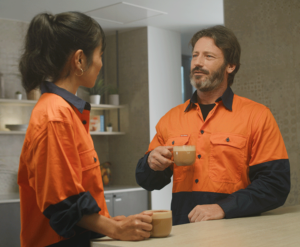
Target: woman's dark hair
{"type": "Point", "coordinates": [50, 41]}
{"type": "Point", "coordinates": [226, 40]}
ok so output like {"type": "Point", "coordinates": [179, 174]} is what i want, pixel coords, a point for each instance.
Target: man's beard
{"type": "Point", "coordinates": [206, 83]}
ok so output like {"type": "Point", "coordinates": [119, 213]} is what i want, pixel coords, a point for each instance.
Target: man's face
{"type": "Point", "coordinates": [207, 66]}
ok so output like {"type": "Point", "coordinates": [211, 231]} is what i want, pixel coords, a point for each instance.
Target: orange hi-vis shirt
{"type": "Point", "coordinates": [59, 175]}
{"type": "Point", "coordinates": [241, 160]}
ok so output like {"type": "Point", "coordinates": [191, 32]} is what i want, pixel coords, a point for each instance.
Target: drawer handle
{"type": "Point", "coordinates": [118, 199]}
{"type": "Point", "coordinates": [106, 200]}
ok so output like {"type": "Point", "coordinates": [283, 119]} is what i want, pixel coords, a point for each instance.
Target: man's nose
{"type": "Point", "coordinates": [199, 61]}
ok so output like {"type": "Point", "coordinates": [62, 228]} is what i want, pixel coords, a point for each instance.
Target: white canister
{"type": "Point", "coordinates": [113, 99]}
{"type": "Point", "coordinates": [95, 99]}
{"type": "Point", "coordinates": [18, 96]}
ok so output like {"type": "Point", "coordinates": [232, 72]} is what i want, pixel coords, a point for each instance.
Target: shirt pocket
{"type": "Point", "coordinates": [179, 172]}
{"type": "Point", "coordinates": [89, 159]}
{"type": "Point", "coordinates": [227, 157]}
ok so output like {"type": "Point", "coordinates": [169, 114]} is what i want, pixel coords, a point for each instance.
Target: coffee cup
{"type": "Point", "coordinates": [184, 155]}
{"type": "Point", "coordinates": [161, 223]}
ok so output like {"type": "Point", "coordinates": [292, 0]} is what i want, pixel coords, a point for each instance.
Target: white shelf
{"type": "Point", "coordinates": [9, 132]}
{"type": "Point", "coordinates": [106, 107]}
{"type": "Point", "coordinates": [3, 132]}
{"type": "Point", "coordinates": [33, 102]}
{"type": "Point", "coordinates": [17, 102]}
{"type": "Point", "coordinates": [105, 133]}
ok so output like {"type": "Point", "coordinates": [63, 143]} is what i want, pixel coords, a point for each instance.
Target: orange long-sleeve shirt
{"type": "Point", "coordinates": [59, 175]}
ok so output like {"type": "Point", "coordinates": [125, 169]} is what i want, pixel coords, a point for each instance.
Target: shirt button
{"type": "Point", "coordinates": [227, 139]}
{"type": "Point", "coordinates": [196, 181]}
{"type": "Point", "coordinates": [173, 142]}
{"type": "Point", "coordinates": [95, 160]}
{"type": "Point", "coordinates": [199, 156]}
{"type": "Point", "coordinates": [202, 131]}
{"type": "Point", "coordinates": [84, 122]}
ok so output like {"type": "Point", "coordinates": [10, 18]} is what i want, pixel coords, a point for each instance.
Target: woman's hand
{"type": "Point", "coordinates": [118, 218]}
{"type": "Point", "coordinates": [134, 227]}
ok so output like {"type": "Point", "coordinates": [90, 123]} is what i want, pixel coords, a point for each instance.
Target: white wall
{"type": "Point", "coordinates": [164, 64]}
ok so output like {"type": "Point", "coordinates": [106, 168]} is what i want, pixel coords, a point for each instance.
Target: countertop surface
{"type": "Point", "coordinates": [14, 197]}
{"type": "Point", "coordinates": [277, 228]}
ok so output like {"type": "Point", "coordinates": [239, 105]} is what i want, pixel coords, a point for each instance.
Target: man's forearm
{"type": "Point", "coordinates": [149, 179]}
{"type": "Point", "coordinates": [269, 188]}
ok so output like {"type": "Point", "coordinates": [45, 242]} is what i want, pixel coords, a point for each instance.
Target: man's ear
{"type": "Point", "coordinates": [230, 68]}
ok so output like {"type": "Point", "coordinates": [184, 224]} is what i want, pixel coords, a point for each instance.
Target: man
{"type": "Point", "coordinates": [241, 166]}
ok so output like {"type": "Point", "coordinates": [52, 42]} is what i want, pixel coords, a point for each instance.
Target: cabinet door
{"type": "Point", "coordinates": [129, 203]}
{"type": "Point", "coordinates": [10, 224]}
{"type": "Point", "coordinates": [109, 204]}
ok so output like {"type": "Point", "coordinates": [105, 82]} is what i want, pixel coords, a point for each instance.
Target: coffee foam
{"type": "Point", "coordinates": [161, 214]}
{"type": "Point", "coordinates": [184, 148]}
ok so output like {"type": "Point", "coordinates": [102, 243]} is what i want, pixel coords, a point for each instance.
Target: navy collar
{"type": "Point", "coordinates": [49, 87]}
{"type": "Point", "coordinates": [227, 99]}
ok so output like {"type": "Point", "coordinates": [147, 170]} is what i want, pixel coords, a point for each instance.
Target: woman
{"type": "Point", "coordinates": [61, 190]}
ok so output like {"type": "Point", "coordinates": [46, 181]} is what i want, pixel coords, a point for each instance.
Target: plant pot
{"type": "Point", "coordinates": [34, 94]}
{"type": "Point", "coordinates": [113, 99]}
{"type": "Point", "coordinates": [18, 96]}
{"type": "Point", "coordinates": [109, 129]}
{"type": "Point", "coordinates": [95, 99]}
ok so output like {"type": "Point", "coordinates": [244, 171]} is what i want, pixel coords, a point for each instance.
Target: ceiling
{"type": "Point", "coordinates": [183, 16]}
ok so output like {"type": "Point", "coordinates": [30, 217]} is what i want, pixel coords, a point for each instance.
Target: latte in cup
{"type": "Point", "coordinates": [184, 155]}
{"type": "Point", "coordinates": [161, 223]}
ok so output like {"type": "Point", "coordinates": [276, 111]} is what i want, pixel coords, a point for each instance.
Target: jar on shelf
{"type": "Point", "coordinates": [34, 94]}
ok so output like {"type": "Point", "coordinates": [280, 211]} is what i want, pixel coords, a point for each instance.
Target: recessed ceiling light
{"type": "Point", "coordinates": [124, 13]}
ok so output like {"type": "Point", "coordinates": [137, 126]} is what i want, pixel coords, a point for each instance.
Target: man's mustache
{"type": "Point", "coordinates": [198, 69]}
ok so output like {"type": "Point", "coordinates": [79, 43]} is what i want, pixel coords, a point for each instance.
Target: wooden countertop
{"type": "Point", "coordinates": [277, 228]}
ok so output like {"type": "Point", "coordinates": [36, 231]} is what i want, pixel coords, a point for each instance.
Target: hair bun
{"type": "Point", "coordinates": [51, 18]}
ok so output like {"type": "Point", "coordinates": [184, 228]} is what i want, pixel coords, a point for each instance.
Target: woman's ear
{"type": "Point", "coordinates": [79, 60]}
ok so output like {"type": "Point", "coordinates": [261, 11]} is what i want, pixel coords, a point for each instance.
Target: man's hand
{"type": "Point", "coordinates": [206, 212]}
{"type": "Point", "coordinates": [160, 158]}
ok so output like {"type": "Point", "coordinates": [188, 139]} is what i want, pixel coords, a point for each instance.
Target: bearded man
{"type": "Point", "coordinates": [241, 167]}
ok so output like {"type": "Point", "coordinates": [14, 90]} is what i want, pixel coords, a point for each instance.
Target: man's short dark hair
{"type": "Point", "coordinates": [226, 40]}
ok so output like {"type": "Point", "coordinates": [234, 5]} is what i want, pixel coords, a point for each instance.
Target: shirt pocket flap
{"type": "Point", "coordinates": [229, 140]}
{"type": "Point", "coordinates": [89, 159]}
{"type": "Point", "coordinates": [178, 141]}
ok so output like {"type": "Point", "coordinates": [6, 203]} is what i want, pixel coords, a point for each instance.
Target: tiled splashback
{"type": "Point", "coordinates": [11, 41]}
{"type": "Point", "coordinates": [269, 34]}
{"type": "Point", "coordinates": [12, 35]}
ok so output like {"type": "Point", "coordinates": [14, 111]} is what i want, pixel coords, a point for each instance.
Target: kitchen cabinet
{"type": "Point", "coordinates": [30, 103]}
{"type": "Point", "coordinates": [10, 221]}
{"type": "Point", "coordinates": [120, 200]}
{"type": "Point", "coordinates": [126, 202]}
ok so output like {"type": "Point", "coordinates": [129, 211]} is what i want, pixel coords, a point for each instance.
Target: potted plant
{"type": "Point", "coordinates": [96, 91]}
{"type": "Point", "coordinates": [113, 98]}
{"type": "Point", "coordinates": [18, 95]}
{"type": "Point", "coordinates": [109, 127]}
